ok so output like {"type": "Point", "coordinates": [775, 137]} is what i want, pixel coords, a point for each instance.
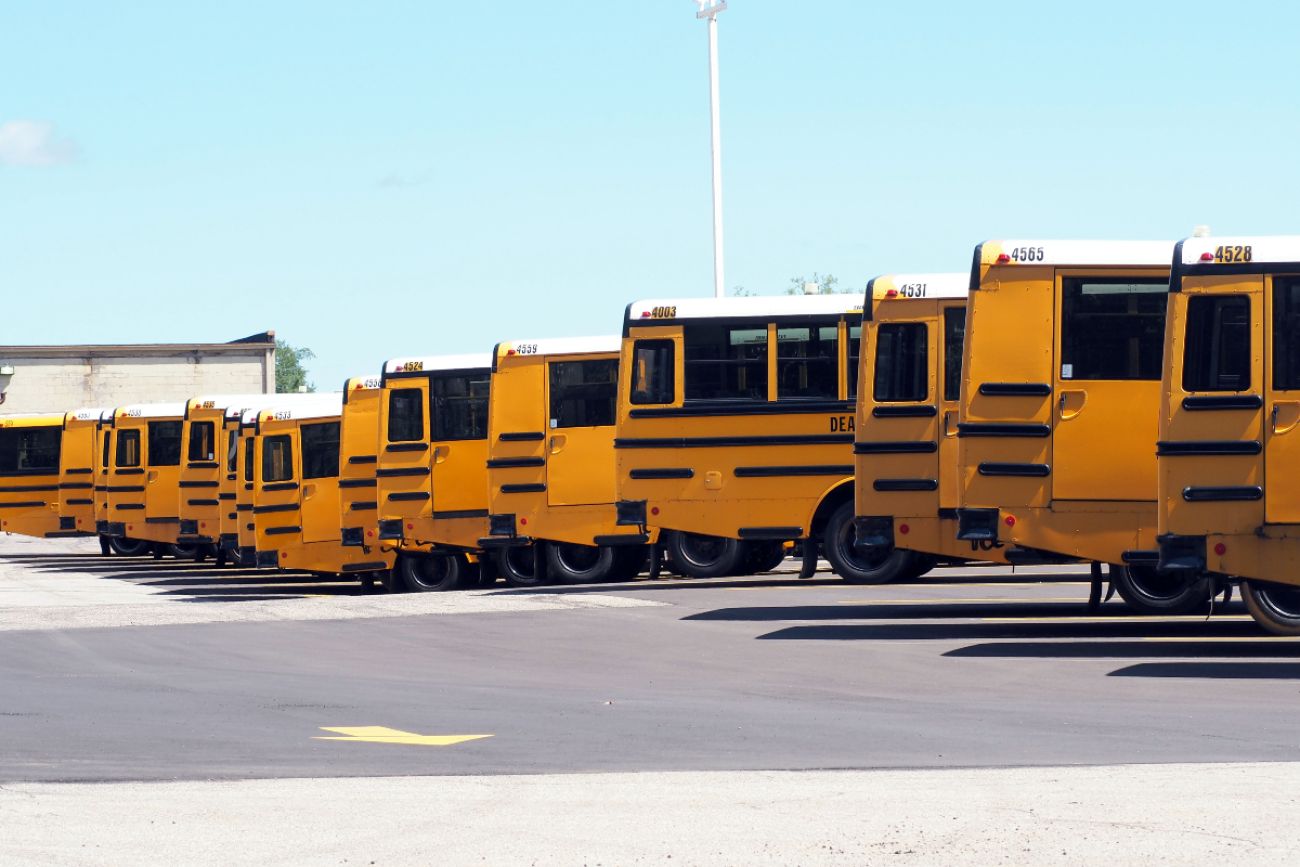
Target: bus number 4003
{"type": "Point", "coordinates": [1232, 254]}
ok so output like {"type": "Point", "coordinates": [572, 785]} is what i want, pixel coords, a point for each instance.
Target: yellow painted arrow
{"type": "Point", "coordinates": [385, 735]}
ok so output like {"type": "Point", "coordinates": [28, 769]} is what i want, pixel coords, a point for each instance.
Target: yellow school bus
{"type": "Point", "coordinates": [79, 452]}
{"type": "Point", "coordinates": [209, 474]}
{"type": "Point", "coordinates": [906, 468]}
{"type": "Point", "coordinates": [550, 467]}
{"type": "Point", "coordinates": [296, 498]}
{"type": "Point", "coordinates": [29, 474]}
{"type": "Point", "coordinates": [1227, 455]}
{"type": "Point", "coordinates": [103, 465]}
{"type": "Point", "coordinates": [735, 426]}
{"type": "Point", "coordinates": [358, 460]}
{"type": "Point", "coordinates": [244, 529]}
{"type": "Point", "coordinates": [1059, 410]}
{"type": "Point", "coordinates": [143, 485]}
{"type": "Point", "coordinates": [432, 476]}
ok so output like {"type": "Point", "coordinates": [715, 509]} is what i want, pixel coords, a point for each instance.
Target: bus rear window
{"type": "Point", "coordinates": [128, 448]}
{"type": "Point", "coordinates": [458, 406]}
{"type": "Point", "coordinates": [902, 363]}
{"type": "Point", "coordinates": [1286, 333]}
{"type": "Point", "coordinates": [232, 453]}
{"type": "Point", "coordinates": [954, 339]}
{"type": "Point", "coordinates": [654, 372]}
{"type": "Point", "coordinates": [726, 362]}
{"type": "Point", "coordinates": [1216, 351]}
{"type": "Point", "coordinates": [248, 459]}
{"type": "Point", "coordinates": [807, 362]}
{"type": "Point", "coordinates": [29, 451]}
{"type": "Point", "coordinates": [405, 415]}
{"type": "Point", "coordinates": [1113, 328]}
{"type": "Point", "coordinates": [164, 443]}
{"type": "Point", "coordinates": [320, 450]}
{"type": "Point", "coordinates": [277, 459]}
{"type": "Point", "coordinates": [202, 441]}
{"type": "Point", "coordinates": [583, 393]}
{"type": "Point", "coordinates": [855, 359]}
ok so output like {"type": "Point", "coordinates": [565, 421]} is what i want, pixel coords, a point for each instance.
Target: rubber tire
{"type": "Point", "coordinates": [183, 552]}
{"type": "Point", "coordinates": [515, 564]}
{"type": "Point", "coordinates": [688, 560]}
{"type": "Point", "coordinates": [123, 547]}
{"type": "Point", "coordinates": [560, 565]}
{"type": "Point", "coordinates": [764, 557]}
{"type": "Point", "coordinates": [1145, 597]}
{"type": "Point", "coordinates": [1275, 607]}
{"type": "Point", "coordinates": [851, 564]}
{"type": "Point", "coordinates": [427, 574]}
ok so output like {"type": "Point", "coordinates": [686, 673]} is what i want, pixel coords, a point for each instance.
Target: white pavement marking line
{"type": "Point", "coordinates": [1128, 814]}
{"type": "Point", "coordinates": [385, 735]}
{"type": "Point", "coordinates": [36, 597]}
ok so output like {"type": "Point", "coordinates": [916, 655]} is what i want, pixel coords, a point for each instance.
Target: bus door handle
{"type": "Point", "coordinates": [308, 491]}
{"type": "Point", "coordinates": [948, 429]}
{"type": "Point", "coordinates": [1286, 415]}
{"type": "Point", "coordinates": [558, 442]}
{"type": "Point", "coordinates": [440, 453]}
{"type": "Point", "coordinates": [1071, 403]}
{"type": "Point", "coordinates": [152, 477]}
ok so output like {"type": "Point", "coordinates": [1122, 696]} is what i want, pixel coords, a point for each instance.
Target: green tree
{"type": "Point", "coordinates": [290, 375]}
{"type": "Point", "coordinates": [825, 284]}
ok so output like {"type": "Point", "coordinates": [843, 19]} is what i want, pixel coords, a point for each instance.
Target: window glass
{"type": "Point", "coordinates": [128, 448]}
{"type": "Point", "coordinates": [164, 443]}
{"type": "Point", "coordinates": [405, 415]}
{"type": "Point", "coordinates": [902, 362]}
{"type": "Point", "coordinates": [458, 406]}
{"type": "Point", "coordinates": [232, 452]}
{"type": "Point", "coordinates": [583, 393]}
{"type": "Point", "coordinates": [954, 338]}
{"type": "Point", "coordinates": [202, 441]}
{"type": "Point", "coordinates": [248, 459]}
{"type": "Point", "coordinates": [32, 450]}
{"type": "Point", "coordinates": [654, 372]}
{"type": "Point", "coordinates": [1113, 327]}
{"type": "Point", "coordinates": [807, 362]}
{"type": "Point", "coordinates": [108, 444]}
{"type": "Point", "coordinates": [1216, 351]}
{"type": "Point", "coordinates": [1286, 333]}
{"type": "Point", "coordinates": [855, 359]}
{"type": "Point", "coordinates": [320, 450]}
{"type": "Point", "coordinates": [726, 362]}
{"type": "Point", "coordinates": [277, 459]}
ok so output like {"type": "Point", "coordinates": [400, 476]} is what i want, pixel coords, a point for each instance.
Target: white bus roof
{"type": "Point", "coordinates": [323, 405]}
{"type": "Point", "coordinates": [150, 410]}
{"type": "Point", "coordinates": [426, 363]}
{"type": "Point", "coordinates": [89, 413]}
{"type": "Point", "coordinates": [367, 382]}
{"type": "Point", "coordinates": [1066, 253]}
{"type": "Point", "coordinates": [559, 346]}
{"type": "Point", "coordinates": [755, 306]}
{"type": "Point", "coordinates": [1263, 249]}
{"type": "Point", "coordinates": [919, 286]}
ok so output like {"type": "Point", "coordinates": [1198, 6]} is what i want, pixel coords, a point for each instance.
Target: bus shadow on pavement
{"type": "Point", "coordinates": [1065, 630]}
{"type": "Point", "coordinates": [944, 609]}
{"type": "Point", "coordinates": [1213, 670]}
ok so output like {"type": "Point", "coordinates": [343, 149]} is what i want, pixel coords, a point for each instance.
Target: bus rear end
{"type": "Point", "coordinates": [29, 474]}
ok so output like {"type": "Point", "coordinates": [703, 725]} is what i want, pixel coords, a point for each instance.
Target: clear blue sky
{"type": "Point", "coordinates": [380, 179]}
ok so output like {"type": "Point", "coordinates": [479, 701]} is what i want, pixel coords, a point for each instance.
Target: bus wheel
{"type": "Point", "coordinates": [579, 564]}
{"type": "Point", "coordinates": [516, 565]}
{"type": "Point", "coordinates": [703, 556]}
{"type": "Point", "coordinates": [1275, 607]}
{"type": "Point", "coordinates": [128, 547]}
{"type": "Point", "coordinates": [862, 566]}
{"type": "Point", "coordinates": [183, 552]}
{"type": "Point", "coordinates": [763, 557]}
{"type": "Point", "coordinates": [425, 574]}
{"type": "Point", "coordinates": [1147, 591]}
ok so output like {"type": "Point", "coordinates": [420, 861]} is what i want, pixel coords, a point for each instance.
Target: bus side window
{"type": "Point", "coordinates": [954, 339]}
{"type": "Point", "coordinates": [653, 372]}
{"type": "Point", "coordinates": [902, 363]}
{"type": "Point", "coordinates": [128, 448]}
{"type": "Point", "coordinates": [1216, 351]}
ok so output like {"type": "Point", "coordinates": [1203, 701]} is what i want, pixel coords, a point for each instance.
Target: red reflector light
{"type": "Point", "coordinates": [1207, 256]}
{"type": "Point", "coordinates": [370, 533]}
{"type": "Point", "coordinates": [284, 554]}
{"type": "Point", "coordinates": [891, 293]}
{"type": "Point", "coordinates": [523, 521]}
{"type": "Point", "coordinates": [410, 526]}
{"type": "Point", "coordinates": [1003, 258]}
{"type": "Point", "coordinates": [1009, 520]}
{"type": "Point", "coordinates": [129, 527]}
{"type": "Point", "coordinates": [904, 529]}
{"type": "Point", "coordinates": [654, 510]}
{"type": "Point", "coordinates": [1220, 549]}
{"type": "Point", "coordinates": [510, 352]}
{"type": "Point", "coordinates": [645, 314]}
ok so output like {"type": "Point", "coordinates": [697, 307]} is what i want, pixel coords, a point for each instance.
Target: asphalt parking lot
{"type": "Point", "coordinates": [981, 715]}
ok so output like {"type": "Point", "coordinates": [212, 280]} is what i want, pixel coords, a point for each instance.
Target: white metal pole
{"type": "Point", "coordinates": [711, 13]}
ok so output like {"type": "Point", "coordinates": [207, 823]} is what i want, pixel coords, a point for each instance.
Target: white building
{"type": "Point", "coordinates": [62, 378]}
